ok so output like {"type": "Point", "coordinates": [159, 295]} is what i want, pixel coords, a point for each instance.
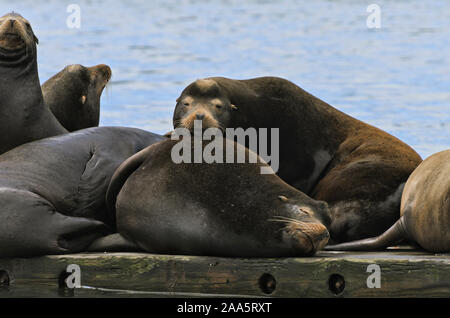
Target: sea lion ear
{"type": "Point", "coordinates": [36, 40]}
{"type": "Point", "coordinates": [83, 99]}
{"type": "Point", "coordinates": [178, 99]}
{"type": "Point", "coordinates": [233, 107]}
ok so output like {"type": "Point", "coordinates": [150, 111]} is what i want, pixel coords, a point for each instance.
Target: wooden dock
{"type": "Point", "coordinates": [400, 273]}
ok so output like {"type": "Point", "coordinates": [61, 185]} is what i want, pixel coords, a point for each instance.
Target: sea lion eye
{"type": "Point", "coordinates": [218, 106]}
{"type": "Point", "coordinates": [27, 25]}
{"type": "Point", "coordinates": [185, 104]}
{"type": "Point", "coordinates": [303, 211]}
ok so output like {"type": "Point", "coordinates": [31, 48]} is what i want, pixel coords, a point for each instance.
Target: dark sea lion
{"type": "Point", "coordinates": [223, 209]}
{"type": "Point", "coordinates": [358, 169]}
{"type": "Point", "coordinates": [425, 210]}
{"type": "Point", "coordinates": [73, 95]}
{"type": "Point", "coordinates": [24, 117]}
{"type": "Point", "coordinates": [52, 191]}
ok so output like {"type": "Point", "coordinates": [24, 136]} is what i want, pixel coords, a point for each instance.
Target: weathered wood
{"type": "Point", "coordinates": [403, 274]}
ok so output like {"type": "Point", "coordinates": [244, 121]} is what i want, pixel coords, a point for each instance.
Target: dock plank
{"type": "Point", "coordinates": [404, 273]}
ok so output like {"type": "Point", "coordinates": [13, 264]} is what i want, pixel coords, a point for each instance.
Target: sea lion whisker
{"type": "Point", "coordinates": [287, 220]}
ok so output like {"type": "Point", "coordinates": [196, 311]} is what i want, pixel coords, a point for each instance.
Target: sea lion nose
{"type": "Point", "coordinates": [107, 72]}
{"type": "Point", "coordinates": [307, 237]}
{"type": "Point", "coordinates": [200, 116]}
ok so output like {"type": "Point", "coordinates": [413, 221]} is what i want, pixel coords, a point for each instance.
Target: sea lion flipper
{"type": "Point", "coordinates": [393, 235]}
{"type": "Point", "coordinates": [30, 225]}
{"type": "Point", "coordinates": [113, 243]}
{"type": "Point", "coordinates": [77, 233]}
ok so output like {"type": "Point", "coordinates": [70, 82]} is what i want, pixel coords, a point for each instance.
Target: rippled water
{"type": "Point", "coordinates": [396, 77]}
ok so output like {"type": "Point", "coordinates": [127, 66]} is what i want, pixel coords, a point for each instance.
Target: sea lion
{"type": "Point", "coordinates": [221, 209]}
{"type": "Point", "coordinates": [359, 170]}
{"type": "Point", "coordinates": [24, 117]}
{"type": "Point", "coordinates": [52, 191]}
{"type": "Point", "coordinates": [73, 95]}
{"type": "Point", "coordinates": [425, 210]}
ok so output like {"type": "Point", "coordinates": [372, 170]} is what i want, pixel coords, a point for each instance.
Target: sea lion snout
{"type": "Point", "coordinates": [102, 70]}
{"type": "Point", "coordinates": [199, 113]}
{"type": "Point", "coordinates": [304, 237]}
{"type": "Point", "coordinates": [100, 76]}
{"type": "Point", "coordinates": [303, 233]}
{"type": "Point", "coordinates": [15, 32]}
{"type": "Point", "coordinates": [11, 35]}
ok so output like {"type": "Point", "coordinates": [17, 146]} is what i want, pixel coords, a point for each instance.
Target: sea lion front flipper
{"type": "Point", "coordinates": [393, 235]}
{"type": "Point", "coordinates": [30, 225]}
{"type": "Point", "coordinates": [114, 243]}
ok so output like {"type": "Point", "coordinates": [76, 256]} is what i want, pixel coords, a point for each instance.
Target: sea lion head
{"type": "Point", "coordinates": [203, 100]}
{"type": "Point", "coordinates": [303, 224]}
{"type": "Point", "coordinates": [92, 80]}
{"type": "Point", "coordinates": [74, 95]}
{"type": "Point", "coordinates": [17, 38]}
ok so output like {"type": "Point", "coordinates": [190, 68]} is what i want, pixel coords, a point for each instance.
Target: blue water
{"type": "Point", "coordinates": [396, 77]}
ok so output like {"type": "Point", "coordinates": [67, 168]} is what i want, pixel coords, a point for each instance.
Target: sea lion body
{"type": "Point", "coordinates": [425, 204]}
{"type": "Point", "coordinates": [53, 190]}
{"type": "Point", "coordinates": [73, 95]}
{"type": "Point", "coordinates": [24, 117]}
{"type": "Point", "coordinates": [359, 170]}
{"type": "Point", "coordinates": [425, 210]}
{"type": "Point", "coordinates": [222, 209]}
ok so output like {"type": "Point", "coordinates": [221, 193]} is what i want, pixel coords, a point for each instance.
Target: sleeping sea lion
{"type": "Point", "coordinates": [222, 209]}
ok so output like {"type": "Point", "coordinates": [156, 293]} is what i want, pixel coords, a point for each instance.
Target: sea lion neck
{"type": "Point", "coordinates": [20, 88]}
{"type": "Point", "coordinates": [23, 59]}
{"type": "Point", "coordinates": [22, 109]}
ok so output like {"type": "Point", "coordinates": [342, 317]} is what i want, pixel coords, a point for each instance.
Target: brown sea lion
{"type": "Point", "coordinates": [223, 209]}
{"type": "Point", "coordinates": [24, 117]}
{"type": "Point", "coordinates": [52, 191]}
{"type": "Point", "coordinates": [358, 169]}
{"type": "Point", "coordinates": [425, 211]}
{"type": "Point", "coordinates": [73, 95]}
